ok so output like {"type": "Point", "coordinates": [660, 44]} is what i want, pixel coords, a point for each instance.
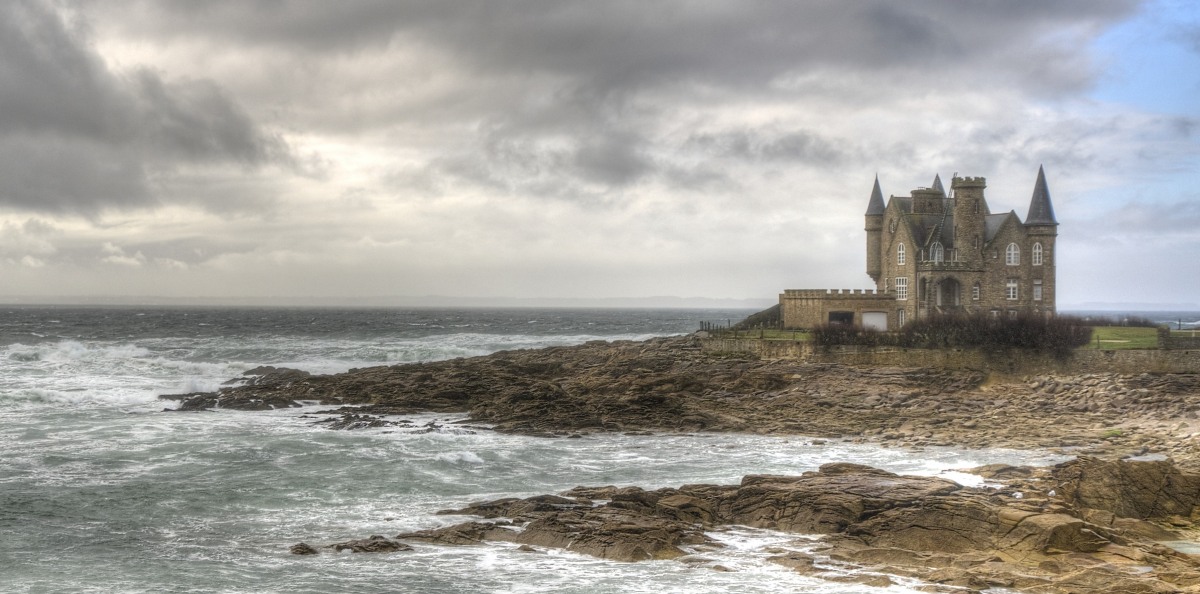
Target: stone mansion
{"type": "Point", "coordinates": [932, 253]}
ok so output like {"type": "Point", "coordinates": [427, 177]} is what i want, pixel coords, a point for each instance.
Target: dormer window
{"type": "Point", "coordinates": [1012, 255]}
{"type": "Point", "coordinates": [900, 259]}
{"type": "Point", "coordinates": [1036, 257]}
{"type": "Point", "coordinates": [936, 253]}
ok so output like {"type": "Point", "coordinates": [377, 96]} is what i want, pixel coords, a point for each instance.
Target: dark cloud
{"type": "Point", "coordinates": [569, 97]}
{"type": "Point", "coordinates": [69, 175]}
{"type": "Point", "coordinates": [632, 44]}
{"type": "Point", "coordinates": [194, 121]}
{"type": "Point", "coordinates": [77, 137]}
{"type": "Point", "coordinates": [800, 147]}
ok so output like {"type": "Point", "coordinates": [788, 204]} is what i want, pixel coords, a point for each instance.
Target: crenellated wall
{"type": "Point", "coordinates": [809, 308]}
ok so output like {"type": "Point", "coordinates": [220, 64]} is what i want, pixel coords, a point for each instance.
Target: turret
{"type": "Point", "coordinates": [874, 229]}
{"type": "Point", "coordinates": [1042, 229]}
{"type": "Point", "coordinates": [970, 208]}
{"type": "Point", "coordinates": [937, 184]}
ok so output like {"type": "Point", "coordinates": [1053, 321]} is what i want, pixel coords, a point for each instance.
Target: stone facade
{"type": "Point", "coordinates": [931, 253]}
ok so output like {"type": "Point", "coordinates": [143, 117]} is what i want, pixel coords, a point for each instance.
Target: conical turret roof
{"type": "Point", "coordinates": [876, 206]}
{"type": "Point", "coordinates": [1041, 211]}
{"type": "Point", "coordinates": [937, 184]}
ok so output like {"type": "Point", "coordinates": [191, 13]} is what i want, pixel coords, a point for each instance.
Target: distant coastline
{"type": "Point", "coordinates": [663, 301]}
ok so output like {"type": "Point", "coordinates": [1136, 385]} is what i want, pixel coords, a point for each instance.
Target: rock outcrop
{"type": "Point", "coordinates": [668, 384]}
{"type": "Point", "coordinates": [883, 523]}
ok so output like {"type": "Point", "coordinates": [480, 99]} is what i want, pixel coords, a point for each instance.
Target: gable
{"type": "Point", "coordinates": [994, 223]}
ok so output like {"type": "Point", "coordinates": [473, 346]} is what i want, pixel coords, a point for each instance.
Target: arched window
{"type": "Point", "coordinates": [1037, 254]}
{"type": "Point", "coordinates": [936, 253]}
{"type": "Point", "coordinates": [900, 255]}
{"type": "Point", "coordinates": [1012, 255]}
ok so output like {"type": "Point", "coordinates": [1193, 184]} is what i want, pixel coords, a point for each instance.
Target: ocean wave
{"type": "Point", "coordinates": [123, 373]}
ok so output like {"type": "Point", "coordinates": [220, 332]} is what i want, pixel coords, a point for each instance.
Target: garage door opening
{"type": "Point", "coordinates": [841, 317]}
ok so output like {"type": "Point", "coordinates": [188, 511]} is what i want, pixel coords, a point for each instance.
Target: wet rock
{"type": "Point", "coordinates": [795, 561]}
{"type": "Point", "coordinates": [884, 523]}
{"type": "Point", "coordinates": [373, 544]}
{"type": "Point", "coordinates": [301, 548]}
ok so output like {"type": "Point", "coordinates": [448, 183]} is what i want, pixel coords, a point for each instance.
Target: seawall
{"type": "Point", "coordinates": [1012, 363]}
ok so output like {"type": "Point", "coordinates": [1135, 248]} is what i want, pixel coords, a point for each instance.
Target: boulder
{"type": "Point", "coordinates": [373, 544]}
{"type": "Point", "coordinates": [301, 548]}
{"type": "Point", "coordinates": [1128, 489]}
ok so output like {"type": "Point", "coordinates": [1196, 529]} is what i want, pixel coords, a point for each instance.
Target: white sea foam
{"type": "Point", "coordinates": [461, 457]}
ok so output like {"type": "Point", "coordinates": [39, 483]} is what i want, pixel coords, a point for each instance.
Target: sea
{"type": "Point", "coordinates": [104, 488]}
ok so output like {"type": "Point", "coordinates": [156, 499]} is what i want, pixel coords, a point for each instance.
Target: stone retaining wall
{"type": "Point", "coordinates": [1177, 340]}
{"type": "Point", "coordinates": [1016, 363]}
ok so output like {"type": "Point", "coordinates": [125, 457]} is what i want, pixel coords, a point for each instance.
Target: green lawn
{"type": "Point", "coordinates": [1120, 337]}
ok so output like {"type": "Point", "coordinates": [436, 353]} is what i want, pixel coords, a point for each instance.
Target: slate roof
{"type": "Point", "coordinates": [993, 222]}
{"type": "Point", "coordinates": [1041, 211]}
{"type": "Point", "coordinates": [876, 206]}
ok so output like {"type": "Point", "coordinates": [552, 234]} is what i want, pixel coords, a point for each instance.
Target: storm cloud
{"type": "Point", "coordinates": [302, 147]}
{"type": "Point", "coordinates": [78, 137]}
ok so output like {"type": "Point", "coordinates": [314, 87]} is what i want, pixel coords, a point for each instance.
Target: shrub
{"type": "Point", "coordinates": [1057, 335]}
{"type": "Point", "coordinates": [828, 335]}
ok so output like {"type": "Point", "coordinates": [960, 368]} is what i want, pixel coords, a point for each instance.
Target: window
{"type": "Point", "coordinates": [1037, 290]}
{"type": "Point", "coordinates": [899, 318]}
{"type": "Point", "coordinates": [936, 253]}
{"type": "Point", "coordinates": [900, 255]}
{"type": "Point", "coordinates": [1010, 289]}
{"type": "Point", "coordinates": [1012, 255]}
{"type": "Point", "coordinates": [1012, 313]}
{"type": "Point", "coordinates": [886, 283]}
{"type": "Point", "coordinates": [1037, 254]}
{"type": "Point", "coordinates": [975, 206]}
{"type": "Point", "coordinates": [975, 292]}
{"type": "Point", "coordinates": [902, 288]}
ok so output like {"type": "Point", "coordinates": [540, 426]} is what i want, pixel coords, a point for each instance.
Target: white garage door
{"type": "Point", "coordinates": [875, 320]}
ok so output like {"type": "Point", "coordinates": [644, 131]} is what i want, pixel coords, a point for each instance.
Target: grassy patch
{"type": "Point", "coordinates": [1122, 337]}
{"type": "Point", "coordinates": [1107, 433]}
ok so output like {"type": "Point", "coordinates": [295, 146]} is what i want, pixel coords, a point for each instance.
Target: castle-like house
{"type": "Point", "coordinates": [933, 252]}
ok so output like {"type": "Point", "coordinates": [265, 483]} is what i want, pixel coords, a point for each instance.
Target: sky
{"type": "Point", "coordinates": [339, 151]}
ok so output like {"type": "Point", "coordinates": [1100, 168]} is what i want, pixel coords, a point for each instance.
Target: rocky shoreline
{"type": "Point", "coordinates": [1064, 529]}
{"type": "Point", "coordinates": [668, 385]}
{"type": "Point", "coordinates": [1089, 525]}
